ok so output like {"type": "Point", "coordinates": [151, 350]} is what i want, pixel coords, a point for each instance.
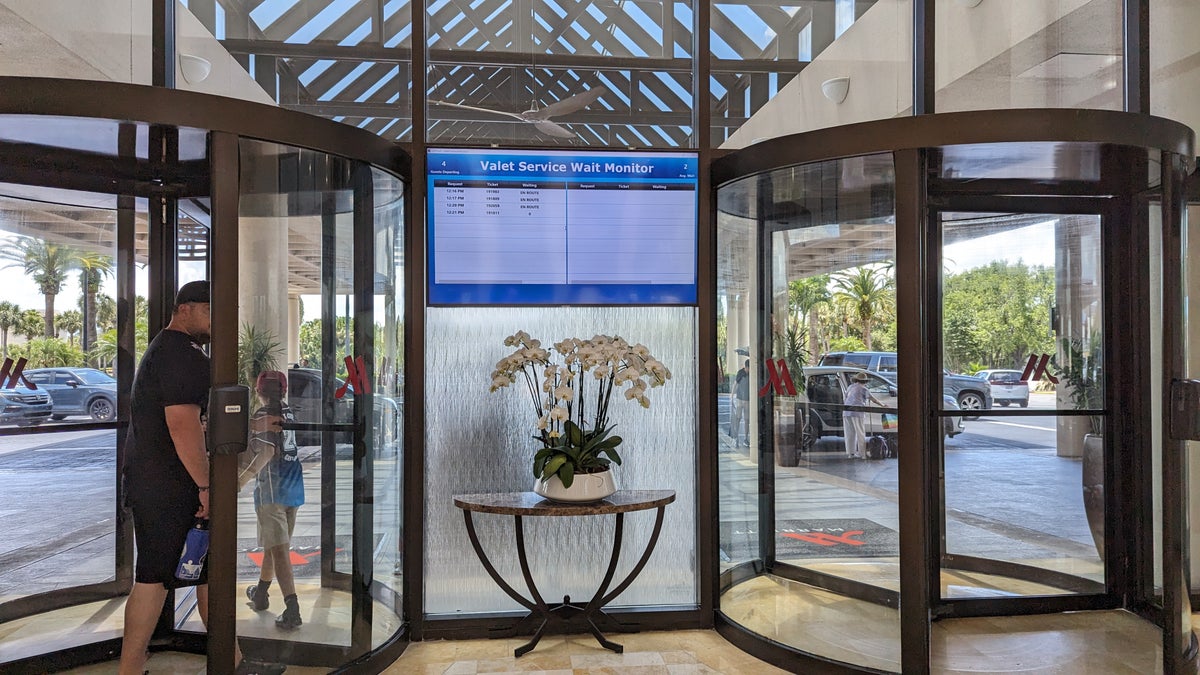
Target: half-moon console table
{"type": "Point", "coordinates": [520, 504]}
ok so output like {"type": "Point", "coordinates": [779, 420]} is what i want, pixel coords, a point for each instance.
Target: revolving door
{"type": "Point", "coordinates": [304, 251]}
{"type": "Point", "coordinates": [960, 338]}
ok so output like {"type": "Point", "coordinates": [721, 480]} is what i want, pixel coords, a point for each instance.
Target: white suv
{"type": "Point", "coordinates": [1007, 386]}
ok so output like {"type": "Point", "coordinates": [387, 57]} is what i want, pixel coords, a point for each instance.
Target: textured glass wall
{"type": "Point", "coordinates": [1029, 54]}
{"type": "Point", "coordinates": [477, 441]}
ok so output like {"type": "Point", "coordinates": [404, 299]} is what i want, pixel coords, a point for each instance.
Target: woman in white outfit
{"type": "Point", "coordinates": [854, 421]}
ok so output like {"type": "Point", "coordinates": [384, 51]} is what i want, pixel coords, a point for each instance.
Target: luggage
{"type": "Point", "coordinates": [877, 447]}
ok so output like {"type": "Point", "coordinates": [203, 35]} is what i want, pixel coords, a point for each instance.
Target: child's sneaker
{"type": "Point", "coordinates": [290, 619]}
{"type": "Point", "coordinates": [258, 601]}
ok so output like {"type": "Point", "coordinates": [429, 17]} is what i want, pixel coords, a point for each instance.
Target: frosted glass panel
{"type": "Point", "coordinates": [478, 441]}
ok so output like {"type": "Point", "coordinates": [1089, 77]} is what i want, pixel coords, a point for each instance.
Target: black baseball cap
{"type": "Point", "coordinates": [192, 291]}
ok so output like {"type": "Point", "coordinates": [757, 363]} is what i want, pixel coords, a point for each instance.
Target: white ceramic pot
{"type": "Point", "coordinates": [587, 487]}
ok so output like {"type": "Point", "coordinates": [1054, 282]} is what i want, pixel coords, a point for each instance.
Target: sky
{"type": "Point", "coordinates": [1033, 245]}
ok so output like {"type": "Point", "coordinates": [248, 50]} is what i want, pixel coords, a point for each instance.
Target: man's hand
{"type": "Point", "coordinates": [266, 423]}
{"type": "Point", "coordinates": [202, 512]}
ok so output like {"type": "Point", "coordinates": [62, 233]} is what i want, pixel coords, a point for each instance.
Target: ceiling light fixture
{"type": "Point", "coordinates": [195, 69]}
{"type": "Point", "coordinates": [835, 89]}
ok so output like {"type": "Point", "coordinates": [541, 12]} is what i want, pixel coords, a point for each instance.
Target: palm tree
{"type": "Point", "coordinates": [10, 316]}
{"type": "Point", "coordinates": [868, 293]}
{"type": "Point", "coordinates": [804, 297]}
{"type": "Point", "coordinates": [93, 267]}
{"type": "Point", "coordinates": [72, 322]}
{"type": "Point", "coordinates": [47, 264]}
{"type": "Point", "coordinates": [30, 324]}
{"type": "Point", "coordinates": [258, 350]}
{"type": "Point", "coordinates": [106, 313]}
{"type": "Point", "coordinates": [104, 352]}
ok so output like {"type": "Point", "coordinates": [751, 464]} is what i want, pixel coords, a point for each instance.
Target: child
{"type": "Point", "coordinates": [278, 492]}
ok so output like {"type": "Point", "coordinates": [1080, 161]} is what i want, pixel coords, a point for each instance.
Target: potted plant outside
{"type": "Point", "coordinates": [571, 402]}
{"type": "Point", "coordinates": [1080, 370]}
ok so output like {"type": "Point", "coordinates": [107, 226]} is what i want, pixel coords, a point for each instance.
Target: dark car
{"type": "Point", "coordinates": [78, 391]}
{"type": "Point", "coordinates": [825, 389]}
{"type": "Point", "coordinates": [24, 407]}
{"type": "Point", "coordinates": [305, 397]}
{"type": "Point", "coordinates": [969, 392]}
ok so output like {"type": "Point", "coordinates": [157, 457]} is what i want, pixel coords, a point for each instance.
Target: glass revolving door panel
{"type": "Point", "coordinates": [806, 296]}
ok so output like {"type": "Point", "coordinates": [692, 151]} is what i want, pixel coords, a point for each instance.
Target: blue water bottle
{"type": "Point", "coordinates": [195, 549]}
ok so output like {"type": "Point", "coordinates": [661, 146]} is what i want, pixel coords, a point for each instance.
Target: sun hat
{"type": "Point", "coordinates": [860, 377]}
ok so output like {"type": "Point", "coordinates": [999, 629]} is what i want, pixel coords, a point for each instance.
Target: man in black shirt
{"type": "Point", "coordinates": [166, 469]}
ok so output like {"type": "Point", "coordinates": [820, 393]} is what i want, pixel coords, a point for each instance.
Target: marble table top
{"type": "Point", "coordinates": [532, 504]}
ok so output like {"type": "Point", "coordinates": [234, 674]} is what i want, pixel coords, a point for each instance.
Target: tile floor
{"type": "Point", "coordinates": [1083, 643]}
{"type": "Point", "coordinates": [669, 653]}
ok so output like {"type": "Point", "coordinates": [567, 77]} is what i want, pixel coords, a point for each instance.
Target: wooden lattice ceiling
{"type": "Point", "coordinates": [351, 60]}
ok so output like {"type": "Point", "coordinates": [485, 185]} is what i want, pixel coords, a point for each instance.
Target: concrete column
{"type": "Point", "coordinates": [293, 329]}
{"type": "Point", "coordinates": [263, 287]}
{"type": "Point", "coordinates": [1077, 297]}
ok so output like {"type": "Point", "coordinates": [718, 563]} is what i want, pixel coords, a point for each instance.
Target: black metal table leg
{"type": "Point", "coordinates": [595, 607]}
{"type": "Point", "coordinates": [541, 607]}
{"type": "Point", "coordinates": [491, 570]}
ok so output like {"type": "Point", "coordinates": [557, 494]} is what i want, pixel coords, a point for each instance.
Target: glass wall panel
{"type": "Point", "coordinates": [558, 72]}
{"type": "Point", "coordinates": [1191, 276]}
{"type": "Point", "coordinates": [299, 497]}
{"type": "Point", "coordinates": [347, 60]}
{"type": "Point", "coordinates": [387, 416]}
{"type": "Point", "coordinates": [1022, 323]}
{"type": "Point", "coordinates": [479, 441]}
{"type": "Point", "coordinates": [56, 253]}
{"type": "Point", "coordinates": [105, 40]}
{"type": "Point", "coordinates": [817, 399]}
{"type": "Point", "coordinates": [737, 293]}
{"type": "Point", "coordinates": [1028, 54]}
{"type": "Point", "coordinates": [792, 67]}
{"type": "Point", "coordinates": [558, 106]}
{"type": "Point", "coordinates": [296, 252]}
{"type": "Point", "coordinates": [831, 251]}
{"type": "Point", "coordinates": [1174, 83]}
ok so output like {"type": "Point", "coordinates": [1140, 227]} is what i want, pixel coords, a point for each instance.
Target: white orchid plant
{"type": "Point", "coordinates": [572, 417]}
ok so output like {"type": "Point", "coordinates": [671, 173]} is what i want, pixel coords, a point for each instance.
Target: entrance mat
{"type": "Point", "coordinates": [819, 538]}
{"type": "Point", "coordinates": [306, 555]}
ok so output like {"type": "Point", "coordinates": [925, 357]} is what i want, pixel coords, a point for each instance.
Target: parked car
{"type": "Point", "coordinates": [825, 390]}
{"type": "Point", "coordinates": [24, 407]}
{"type": "Point", "coordinates": [1007, 386]}
{"type": "Point", "coordinates": [970, 393]}
{"type": "Point", "coordinates": [305, 397]}
{"type": "Point", "coordinates": [78, 391]}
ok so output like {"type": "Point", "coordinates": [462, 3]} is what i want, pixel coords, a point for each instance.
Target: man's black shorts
{"type": "Point", "coordinates": [162, 517]}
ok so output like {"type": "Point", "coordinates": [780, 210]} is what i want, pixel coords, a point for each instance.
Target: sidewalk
{"type": "Point", "coordinates": [1022, 507]}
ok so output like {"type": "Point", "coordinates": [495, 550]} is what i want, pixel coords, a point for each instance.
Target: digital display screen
{"type": "Point", "coordinates": [561, 227]}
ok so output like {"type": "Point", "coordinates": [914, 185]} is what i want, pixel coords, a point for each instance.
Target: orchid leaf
{"type": "Point", "coordinates": [566, 474]}
{"type": "Point", "coordinates": [555, 465]}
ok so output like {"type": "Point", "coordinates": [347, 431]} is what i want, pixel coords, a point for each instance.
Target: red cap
{"type": "Point", "coordinates": [268, 376]}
